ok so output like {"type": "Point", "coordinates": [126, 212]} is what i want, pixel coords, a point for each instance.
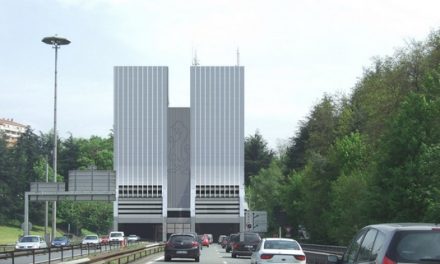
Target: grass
{"type": "Point", "coordinates": [10, 234]}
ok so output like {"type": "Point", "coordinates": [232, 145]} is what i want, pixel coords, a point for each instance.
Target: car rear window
{"type": "Point", "coordinates": [183, 238]}
{"type": "Point", "coordinates": [415, 246]}
{"type": "Point", "coordinates": [251, 237]}
{"type": "Point", "coordinates": [281, 244]}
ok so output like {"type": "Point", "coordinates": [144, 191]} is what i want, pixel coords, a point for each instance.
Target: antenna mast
{"type": "Point", "coordinates": [195, 60]}
{"type": "Point", "coordinates": [238, 57]}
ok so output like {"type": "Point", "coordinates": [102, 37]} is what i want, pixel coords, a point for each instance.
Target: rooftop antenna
{"type": "Point", "coordinates": [238, 57]}
{"type": "Point", "coordinates": [195, 60]}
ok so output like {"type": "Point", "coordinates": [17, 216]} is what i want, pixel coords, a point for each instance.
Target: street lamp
{"type": "Point", "coordinates": [55, 42]}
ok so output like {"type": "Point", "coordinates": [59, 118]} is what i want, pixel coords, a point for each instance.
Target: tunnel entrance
{"type": "Point", "coordinates": [217, 229]}
{"type": "Point", "coordinates": [150, 232]}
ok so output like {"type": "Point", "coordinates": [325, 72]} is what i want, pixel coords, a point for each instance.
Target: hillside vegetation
{"type": "Point", "coordinates": [368, 157]}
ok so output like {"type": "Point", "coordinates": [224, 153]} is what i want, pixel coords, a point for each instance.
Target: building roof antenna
{"type": "Point", "coordinates": [195, 59]}
{"type": "Point", "coordinates": [238, 57]}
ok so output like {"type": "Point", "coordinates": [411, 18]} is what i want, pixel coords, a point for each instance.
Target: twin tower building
{"type": "Point", "coordinates": [179, 169]}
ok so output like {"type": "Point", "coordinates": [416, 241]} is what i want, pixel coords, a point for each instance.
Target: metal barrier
{"type": "Point", "coordinates": [317, 254]}
{"type": "Point", "coordinates": [66, 252]}
{"type": "Point", "coordinates": [127, 256]}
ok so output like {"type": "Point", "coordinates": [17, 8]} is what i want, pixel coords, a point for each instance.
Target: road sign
{"type": "Point", "coordinates": [29, 226]}
{"type": "Point", "coordinates": [256, 221]}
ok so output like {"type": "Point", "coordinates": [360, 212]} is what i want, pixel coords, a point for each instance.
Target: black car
{"type": "Point", "coordinates": [393, 243]}
{"type": "Point", "coordinates": [228, 246]}
{"type": "Point", "coordinates": [244, 244]}
{"type": "Point", "coordinates": [182, 246]}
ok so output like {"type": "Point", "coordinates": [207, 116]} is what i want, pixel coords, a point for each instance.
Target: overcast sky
{"type": "Point", "coordinates": [294, 52]}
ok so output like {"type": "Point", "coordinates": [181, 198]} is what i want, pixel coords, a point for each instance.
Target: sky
{"type": "Point", "coordinates": [294, 52]}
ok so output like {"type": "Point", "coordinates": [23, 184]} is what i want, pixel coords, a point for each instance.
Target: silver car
{"type": "Point", "coordinates": [392, 244]}
{"type": "Point", "coordinates": [30, 242]}
{"type": "Point", "coordinates": [91, 240]}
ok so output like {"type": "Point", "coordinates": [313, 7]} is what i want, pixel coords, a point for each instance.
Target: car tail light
{"type": "Point", "coordinates": [169, 245]}
{"type": "Point", "coordinates": [387, 260]}
{"type": "Point", "coordinates": [300, 257]}
{"type": "Point", "coordinates": [236, 246]}
{"type": "Point", "coordinates": [266, 256]}
{"type": "Point", "coordinates": [195, 244]}
{"type": "Point", "coordinates": [436, 229]}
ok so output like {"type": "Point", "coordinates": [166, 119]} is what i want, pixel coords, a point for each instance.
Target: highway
{"type": "Point", "coordinates": [214, 254]}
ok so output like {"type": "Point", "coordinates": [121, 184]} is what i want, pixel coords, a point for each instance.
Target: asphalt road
{"type": "Point", "coordinates": [210, 255]}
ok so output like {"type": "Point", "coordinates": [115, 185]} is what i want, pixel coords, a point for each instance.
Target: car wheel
{"type": "Point", "coordinates": [234, 255]}
{"type": "Point", "coordinates": [167, 258]}
{"type": "Point", "coordinates": [228, 250]}
{"type": "Point", "coordinates": [197, 259]}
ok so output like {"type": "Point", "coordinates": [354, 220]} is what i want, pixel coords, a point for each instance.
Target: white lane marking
{"type": "Point", "coordinates": [159, 258]}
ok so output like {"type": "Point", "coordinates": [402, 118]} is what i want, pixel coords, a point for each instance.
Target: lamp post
{"type": "Point", "coordinates": [55, 42]}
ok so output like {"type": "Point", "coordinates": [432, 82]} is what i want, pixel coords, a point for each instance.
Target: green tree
{"type": "Point", "coordinates": [257, 155]}
{"type": "Point", "coordinates": [5, 181]}
{"type": "Point", "coordinates": [265, 191]}
{"type": "Point", "coordinates": [402, 191]}
{"type": "Point", "coordinates": [350, 155]}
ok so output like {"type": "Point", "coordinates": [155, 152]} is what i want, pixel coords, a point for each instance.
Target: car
{"type": "Point", "coordinates": [210, 238]}
{"type": "Point", "coordinates": [278, 250]}
{"type": "Point", "coordinates": [225, 242]}
{"type": "Point", "coordinates": [244, 243]}
{"type": "Point", "coordinates": [231, 238]}
{"type": "Point", "coordinates": [182, 246]}
{"type": "Point", "coordinates": [205, 240]}
{"type": "Point", "coordinates": [133, 238]}
{"type": "Point", "coordinates": [60, 242]}
{"type": "Point", "coordinates": [117, 237]}
{"type": "Point", "coordinates": [220, 239]}
{"type": "Point", "coordinates": [104, 240]}
{"type": "Point", "coordinates": [91, 240]}
{"type": "Point", "coordinates": [30, 242]}
{"type": "Point", "coordinates": [393, 243]}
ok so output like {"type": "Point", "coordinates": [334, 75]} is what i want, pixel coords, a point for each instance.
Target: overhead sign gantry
{"type": "Point", "coordinates": [83, 185]}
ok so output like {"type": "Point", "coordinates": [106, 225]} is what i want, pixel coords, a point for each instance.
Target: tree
{"type": "Point", "coordinates": [257, 156]}
{"type": "Point", "coordinates": [265, 191]}
{"type": "Point", "coordinates": [5, 180]}
{"type": "Point", "coordinates": [351, 156]}
{"type": "Point", "coordinates": [403, 192]}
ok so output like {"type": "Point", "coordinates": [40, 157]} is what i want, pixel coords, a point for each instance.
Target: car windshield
{"type": "Point", "coordinates": [29, 239]}
{"type": "Point", "coordinates": [59, 239]}
{"type": "Point", "coordinates": [179, 239]}
{"type": "Point", "coordinates": [116, 235]}
{"type": "Point", "coordinates": [91, 237]}
{"type": "Point", "coordinates": [281, 244]}
{"type": "Point", "coordinates": [416, 246]}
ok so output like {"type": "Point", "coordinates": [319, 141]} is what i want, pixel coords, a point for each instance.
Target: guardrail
{"type": "Point", "coordinates": [7, 247]}
{"type": "Point", "coordinates": [317, 254]}
{"type": "Point", "coordinates": [127, 256]}
{"type": "Point", "coordinates": [66, 252]}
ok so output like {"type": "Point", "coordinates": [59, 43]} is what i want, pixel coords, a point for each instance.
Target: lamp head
{"type": "Point", "coordinates": [56, 41]}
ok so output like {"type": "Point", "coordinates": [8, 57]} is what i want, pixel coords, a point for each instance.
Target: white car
{"type": "Point", "coordinates": [30, 242]}
{"type": "Point", "coordinates": [278, 250]}
{"type": "Point", "coordinates": [133, 238]}
{"type": "Point", "coordinates": [117, 237]}
{"type": "Point", "coordinates": [91, 240]}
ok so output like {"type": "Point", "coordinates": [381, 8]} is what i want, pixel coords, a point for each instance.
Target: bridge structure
{"type": "Point", "coordinates": [83, 185]}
